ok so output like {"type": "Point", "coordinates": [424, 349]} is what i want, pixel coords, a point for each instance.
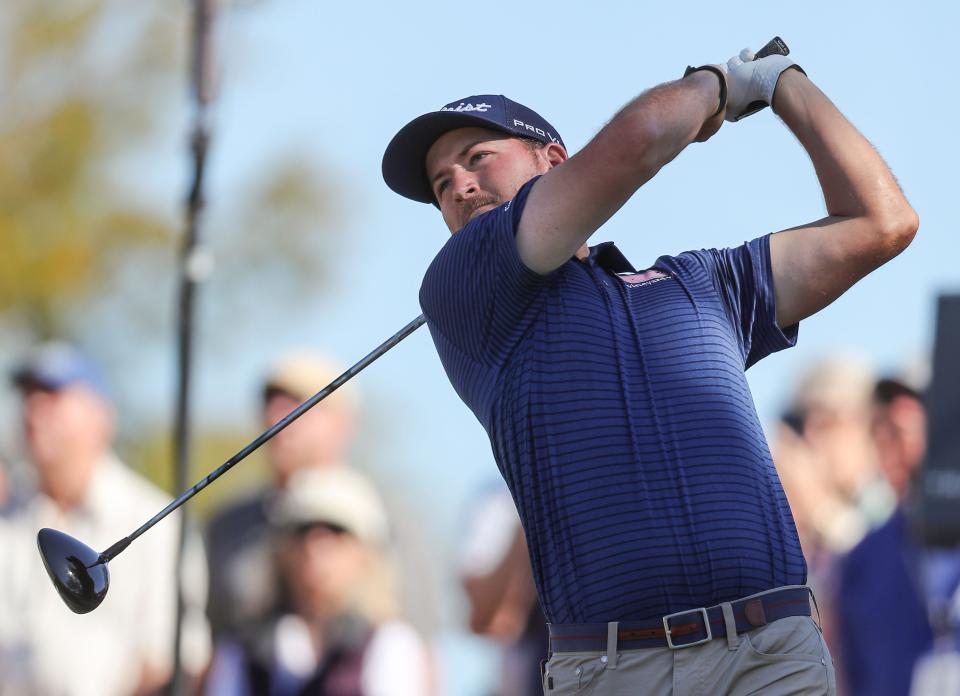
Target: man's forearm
{"type": "Point", "coordinates": [870, 220]}
{"type": "Point", "coordinates": [494, 595]}
{"type": "Point", "coordinates": [855, 180]}
{"type": "Point", "coordinates": [572, 200]}
{"type": "Point", "coordinates": [662, 121]}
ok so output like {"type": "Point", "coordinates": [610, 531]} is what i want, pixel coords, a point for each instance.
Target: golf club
{"type": "Point", "coordinates": [80, 574]}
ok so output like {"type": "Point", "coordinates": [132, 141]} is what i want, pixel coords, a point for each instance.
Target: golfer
{"type": "Point", "coordinates": [663, 548]}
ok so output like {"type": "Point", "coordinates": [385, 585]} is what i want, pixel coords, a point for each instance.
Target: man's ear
{"type": "Point", "coordinates": [554, 153]}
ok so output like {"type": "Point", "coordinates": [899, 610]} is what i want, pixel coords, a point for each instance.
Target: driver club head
{"type": "Point", "coordinates": [75, 569]}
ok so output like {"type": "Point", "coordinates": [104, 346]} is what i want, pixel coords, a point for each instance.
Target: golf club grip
{"type": "Point", "coordinates": [775, 46]}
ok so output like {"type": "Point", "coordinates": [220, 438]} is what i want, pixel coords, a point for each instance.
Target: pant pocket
{"type": "Point", "coordinates": [792, 638]}
{"type": "Point", "coordinates": [791, 660]}
{"type": "Point", "coordinates": [571, 673]}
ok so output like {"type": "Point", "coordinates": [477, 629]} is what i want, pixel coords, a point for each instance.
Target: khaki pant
{"type": "Point", "coordinates": [788, 656]}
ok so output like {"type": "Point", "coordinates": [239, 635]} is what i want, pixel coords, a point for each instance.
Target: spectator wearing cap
{"type": "Point", "coordinates": [894, 595]}
{"type": "Point", "coordinates": [337, 638]}
{"type": "Point", "coordinates": [495, 574]}
{"type": "Point", "coordinates": [244, 587]}
{"type": "Point", "coordinates": [77, 484]}
{"type": "Point", "coordinates": [841, 493]}
{"type": "Point", "coordinates": [827, 462]}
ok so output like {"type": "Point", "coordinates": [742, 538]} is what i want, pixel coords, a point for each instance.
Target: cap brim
{"type": "Point", "coordinates": [25, 379]}
{"type": "Point", "coordinates": [404, 161]}
{"type": "Point", "coordinates": [888, 388]}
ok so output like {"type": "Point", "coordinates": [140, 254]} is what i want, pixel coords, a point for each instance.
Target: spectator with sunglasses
{"type": "Point", "coordinates": [340, 635]}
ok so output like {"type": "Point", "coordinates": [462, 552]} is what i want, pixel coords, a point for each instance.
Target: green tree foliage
{"type": "Point", "coordinates": [91, 90]}
{"type": "Point", "coordinates": [64, 115]}
{"type": "Point", "coordinates": [89, 85]}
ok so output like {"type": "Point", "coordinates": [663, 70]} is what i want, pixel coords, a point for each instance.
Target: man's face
{"type": "Point", "coordinates": [320, 437]}
{"type": "Point", "coordinates": [67, 431]}
{"type": "Point", "coordinates": [900, 432]}
{"type": "Point", "coordinates": [322, 569]}
{"type": "Point", "coordinates": [473, 170]}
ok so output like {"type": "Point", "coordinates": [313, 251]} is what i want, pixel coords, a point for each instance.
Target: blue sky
{"type": "Point", "coordinates": [334, 81]}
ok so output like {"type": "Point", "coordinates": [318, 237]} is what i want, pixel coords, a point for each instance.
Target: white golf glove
{"type": "Point", "coordinates": [751, 82]}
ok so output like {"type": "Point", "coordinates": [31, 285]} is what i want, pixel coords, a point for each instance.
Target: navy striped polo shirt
{"type": "Point", "coordinates": [620, 416]}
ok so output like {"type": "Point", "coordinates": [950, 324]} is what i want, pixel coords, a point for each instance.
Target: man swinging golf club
{"type": "Point", "coordinates": [662, 545]}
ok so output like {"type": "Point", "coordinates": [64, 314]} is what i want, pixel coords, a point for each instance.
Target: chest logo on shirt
{"type": "Point", "coordinates": [643, 278]}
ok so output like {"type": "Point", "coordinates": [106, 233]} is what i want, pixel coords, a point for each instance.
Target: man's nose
{"type": "Point", "coordinates": [464, 184]}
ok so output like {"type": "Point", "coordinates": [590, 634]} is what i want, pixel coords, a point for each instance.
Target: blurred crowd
{"type": "Point", "coordinates": [289, 591]}
{"type": "Point", "coordinates": [848, 451]}
{"type": "Point", "coordinates": [294, 590]}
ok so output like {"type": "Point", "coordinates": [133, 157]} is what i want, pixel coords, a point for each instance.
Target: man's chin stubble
{"type": "Point", "coordinates": [476, 205]}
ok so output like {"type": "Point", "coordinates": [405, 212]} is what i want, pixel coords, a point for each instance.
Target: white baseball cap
{"type": "Point", "coordinates": [338, 496]}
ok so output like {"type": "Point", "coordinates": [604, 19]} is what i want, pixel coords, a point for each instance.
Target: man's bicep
{"type": "Point", "coordinates": [569, 203]}
{"type": "Point", "coordinates": [814, 264]}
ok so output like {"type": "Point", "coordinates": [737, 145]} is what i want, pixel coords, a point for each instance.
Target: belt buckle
{"type": "Point", "coordinates": [706, 624]}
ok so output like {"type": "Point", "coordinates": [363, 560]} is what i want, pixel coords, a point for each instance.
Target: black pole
{"type": "Point", "coordinates": [191, 271]}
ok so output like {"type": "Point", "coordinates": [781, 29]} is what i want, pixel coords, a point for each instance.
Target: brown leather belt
{"type": "Point", "coordinates": [683, 629]}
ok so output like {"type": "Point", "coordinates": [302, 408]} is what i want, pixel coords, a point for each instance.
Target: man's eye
{"type": "Point", "coordinates": [477, 156]}
{"type": "Point", "coordinates": [442, 186]}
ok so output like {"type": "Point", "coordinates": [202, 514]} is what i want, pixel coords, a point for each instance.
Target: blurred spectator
{"type": "Point", "coordinates": [827, 461]}
{"type": "Point", "coordinates": [495, 572]}
{"type": "Point", "coordinates": [830, 473]}
{"type": "Point", "coordinates": [896, 598]}
{"type": "Point", "coordinates": [80, 487]}
{"type": "Point", "coordinates": [336, 639]}
{"type": "Point", "coordinates": [244, 585]}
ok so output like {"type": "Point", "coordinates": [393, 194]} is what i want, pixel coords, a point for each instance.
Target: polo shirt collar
{"type": "Point", "coordinates": [608, 257]}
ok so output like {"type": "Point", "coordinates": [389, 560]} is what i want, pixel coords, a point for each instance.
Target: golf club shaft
{"type": "Point", "coordinates": [119, 546]}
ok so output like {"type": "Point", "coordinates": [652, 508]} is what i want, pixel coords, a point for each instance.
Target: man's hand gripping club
{"type": "Point", "coordinates": [751, 81]}
{"type": "Point", "coordinates": [570, 201]}
{"type": "Point", "coordinates": [747, 82]}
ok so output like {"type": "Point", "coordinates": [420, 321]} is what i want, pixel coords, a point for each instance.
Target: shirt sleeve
{"type": "Point", "coordinates": [395, 662]}
{"type": "Point", "coordinates": [490, 534]}
{"type": "Point", "coordinates": [744, 279]}
{"type": "Point", "coordinates": [477, 293]}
